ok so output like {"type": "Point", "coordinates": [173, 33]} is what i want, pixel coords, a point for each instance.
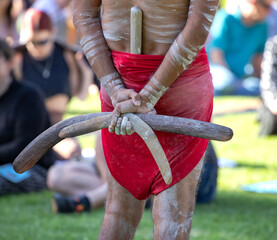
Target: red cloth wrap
{"type": "Point", "coordinates": [191, 96]}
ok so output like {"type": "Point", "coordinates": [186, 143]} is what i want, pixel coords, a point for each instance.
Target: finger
{"type": "Point", "coordinates": [127, 106]}
{"type": "Point", "coordinates": [129, 128]}
{"type": "Point", "coordinates": [114, 117]}
{"type": "Point", "coordinates": [135, 98]}
{"type": "Point", "coordinates": [118, 126]}
{"type": "Point", "coordinates": [123, 126]}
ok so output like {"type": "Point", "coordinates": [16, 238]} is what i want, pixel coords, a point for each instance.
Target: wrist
{"type": "Point", "coordinates": [152, 92]}
{"type": "Point", "coordinates": [112, 84]}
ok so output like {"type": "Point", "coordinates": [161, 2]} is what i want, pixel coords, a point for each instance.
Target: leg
{"type": "Point", "coordinates": [173, 208]}
{"type": "Point", "coordinates": [73, 178]}
{"type": "Point", "coordinates": [123, 213]}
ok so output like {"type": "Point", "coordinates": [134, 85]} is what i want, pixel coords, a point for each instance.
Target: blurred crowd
{"type": "Point", "coordinates": [42, 67]}
{"type": "Point", "coordinates": [60, 12]}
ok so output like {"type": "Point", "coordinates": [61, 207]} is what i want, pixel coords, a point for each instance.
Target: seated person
{"type": "Point", "coordinates": [22, 117]}
{"type": "Point", "coordinates": [54, 68]}
{"type": "Point", "coordinates": [235, 48]}
{"type": "Point", "coordinates": [81, 186]}
{"type": "Point", "coordinates": [268, 111]}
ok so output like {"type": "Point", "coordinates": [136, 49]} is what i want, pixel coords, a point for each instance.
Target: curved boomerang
{"type": "Point", "coordinates": [83, 124]}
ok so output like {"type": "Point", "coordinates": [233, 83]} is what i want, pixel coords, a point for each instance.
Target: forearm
{"type": "Point", "coordinates": [217, 57]}
{"type": "Point", "coordinates": [87, 21]}
{"type": "Point", "coordinates": [183, 50]}
{"type": "Point", "coordinates": [257, 62]}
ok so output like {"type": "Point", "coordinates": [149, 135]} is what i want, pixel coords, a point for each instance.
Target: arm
{"type": "Point", "coordinates": [180, 55]}
{"type": "Point", "coordinates": [257, 62]}
{"type": "Point", "coordinates": [187, 45]}
{"type": "Point", "coordinates": [74, 77]}
{"type": "Point", "coordinates": [217, 57]}
{"type": "Point", "coordinates": [87, 21]}
{"type": "Point", "coordinates": [269, 76]}
{"type": "Point", "coordinates": [86, 74]}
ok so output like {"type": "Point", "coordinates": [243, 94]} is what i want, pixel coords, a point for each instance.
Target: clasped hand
{"type": "Point", "coordinates": [127, 101]}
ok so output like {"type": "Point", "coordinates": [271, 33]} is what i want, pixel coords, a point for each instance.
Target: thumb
{"type": "Point", "coordinates": [135, 98]}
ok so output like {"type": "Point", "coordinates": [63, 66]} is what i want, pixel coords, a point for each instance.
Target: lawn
{"type": "Point", "coordinates": [234, 215]}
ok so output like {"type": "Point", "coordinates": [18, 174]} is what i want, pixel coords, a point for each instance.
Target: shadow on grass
{"type": "Point", "coordinates": [252, 166]}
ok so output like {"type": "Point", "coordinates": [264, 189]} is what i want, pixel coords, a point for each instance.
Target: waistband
{"type": "Point", "coordinates": [142, 64]}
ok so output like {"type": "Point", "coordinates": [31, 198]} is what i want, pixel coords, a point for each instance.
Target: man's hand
{"type": "Point", "coordinates": [124, 94]}
{"type": "Point", "coordinates": [121, 126]}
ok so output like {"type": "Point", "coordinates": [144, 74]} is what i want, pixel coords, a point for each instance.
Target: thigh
{"type": "Point", "coordinates": [120, 201]}
{"type": "Point", "coordinates": [67, 168]}
{"type": "Point", "coordinates": [73, 178]}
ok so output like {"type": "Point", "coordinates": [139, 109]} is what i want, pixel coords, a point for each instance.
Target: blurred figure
{"type": "Point", "coordinates": [58, 71]}
{"type": "Point", "coordinates": [7, 22]}
{"type": "Point", "coordinates": [55, 68]}
{"type": "Point", "coordinates": [236, 46]}
{"type": "Point", "coordinates": [59, 13]}
{"type": "Point", "coordinates": [19, 125]}
{"type": "Point", "coordinates": [79, 186]}
{"type": "Point", "coordinates": [267, 114]}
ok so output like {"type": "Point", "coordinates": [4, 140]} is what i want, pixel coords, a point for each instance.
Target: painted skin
{"type": "Point", "coordinates": [177, 30]}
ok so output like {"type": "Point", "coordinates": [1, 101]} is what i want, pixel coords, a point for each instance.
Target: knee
{"type": "Point", "coordinates": [55, 176]}
{"type": "Point", "coordinates": [172, 225]}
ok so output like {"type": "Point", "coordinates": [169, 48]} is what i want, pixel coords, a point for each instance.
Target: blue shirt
{"type": "Point", "coordinates": [238, 41]}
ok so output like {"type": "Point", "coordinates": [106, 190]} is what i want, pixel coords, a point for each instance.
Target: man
{"type": "Point", "coordinates": [170, 77]}
{"type": "Point", "coordinates": [236, 46]}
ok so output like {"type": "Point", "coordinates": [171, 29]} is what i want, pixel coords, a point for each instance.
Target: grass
{"type": "Point", "coordinates": [234, 215]}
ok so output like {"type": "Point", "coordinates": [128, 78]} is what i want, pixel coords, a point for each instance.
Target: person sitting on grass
{"type": "Point", "coordinates": [79, 186]}
{"type": "Point", "coordinates": [236, 46]}
{"type": "Point", "coordinates": [55, 69]}
{"type": "Point", "coordinates": [22, 117]}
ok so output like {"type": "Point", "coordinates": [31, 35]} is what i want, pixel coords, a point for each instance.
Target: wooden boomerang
{"type": "Point", "coordinates": [91, 122]}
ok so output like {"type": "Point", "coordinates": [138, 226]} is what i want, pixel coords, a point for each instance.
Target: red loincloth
{"type": "Point", "coordinates": [191, 96]}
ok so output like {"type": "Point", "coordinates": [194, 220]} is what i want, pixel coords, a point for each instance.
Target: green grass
{"type": "Point", "coordinates": [235, 215]}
